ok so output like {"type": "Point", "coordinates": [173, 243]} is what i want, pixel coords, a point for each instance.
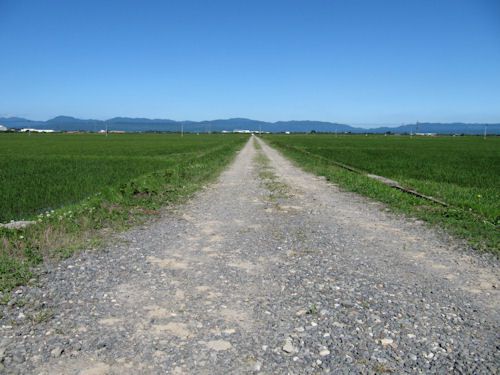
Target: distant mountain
{"type": "Point", "coordinates": [68, 123]}
{"type": "Point", "coordinates": [318, 126]}
{"type": "Point", "coordinates": [14, 119]}
{"type": "Point", "coordinates": [449, 128]}
{"type": "Point", "coordinates": [19, 123]}
{"type": "Point", "coordinates": [128, 120]}
{"type": "Point", "coordinates": [62, 123]}
{"type": "Point", "coordinates": [64, 119]}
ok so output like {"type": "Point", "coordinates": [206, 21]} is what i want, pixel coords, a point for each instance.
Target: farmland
{"type": "Point", "coordinates": [462, 171]}
{"type": "Point", "coordinates": [44, 172]}
{"type": "Point", "coordinates": [76, 185]}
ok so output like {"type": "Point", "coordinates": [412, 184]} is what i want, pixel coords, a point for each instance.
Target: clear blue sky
{"type": "Point", "coordinates": [356, 62]}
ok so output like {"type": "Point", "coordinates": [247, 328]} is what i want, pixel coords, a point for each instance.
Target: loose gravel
{"type": "Point", "coordinates": [249, 278]}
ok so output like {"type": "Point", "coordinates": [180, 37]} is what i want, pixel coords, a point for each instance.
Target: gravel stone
{"type": "Point", "coordinates": [288, 347]}
{"type": "Point", "coordinates": [56, 352]}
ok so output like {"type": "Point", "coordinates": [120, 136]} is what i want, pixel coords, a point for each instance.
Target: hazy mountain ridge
{"type": "Point", "coordinates": [68, 123]}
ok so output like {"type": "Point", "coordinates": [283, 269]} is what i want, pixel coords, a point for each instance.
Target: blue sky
{"type": "Point", "coordinates": [351, 61]}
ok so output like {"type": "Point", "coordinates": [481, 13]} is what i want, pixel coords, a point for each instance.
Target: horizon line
{"type": "Point", "coordinates": [363, 124]}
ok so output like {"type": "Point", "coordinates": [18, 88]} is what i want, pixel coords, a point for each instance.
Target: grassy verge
{"type": "Point", "coordinates": [277, 190]}
{"type": "Point", "coordinates": [59, 233]}
{"type": "Point", "coordinates": [480, 231]}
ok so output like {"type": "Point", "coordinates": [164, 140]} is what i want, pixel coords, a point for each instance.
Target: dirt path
{"type": "Point", "coordinates": [270, 270]}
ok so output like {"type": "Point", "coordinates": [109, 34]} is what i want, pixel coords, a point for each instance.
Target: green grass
{"type": "Point", "coordinates": [277, 190]}
{"type": "Point", "coordinates": [462, 171]}
{"type": "Point", "coordinates": [77, 185]}
{"type": "Point", "coordinates": [44, 172]}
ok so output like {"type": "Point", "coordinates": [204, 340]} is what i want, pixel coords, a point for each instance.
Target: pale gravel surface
{"type": "Point", "coordinates": [239, 280]}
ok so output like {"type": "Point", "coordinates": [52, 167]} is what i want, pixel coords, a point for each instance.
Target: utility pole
{"type": "Point", "coordinates": [485, 131]}
{"type": "Point", "coordinates": [182, 129]}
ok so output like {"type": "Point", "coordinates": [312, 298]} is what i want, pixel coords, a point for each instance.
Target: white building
{"type": "Point", "coordinates": [25, 130]}
{"type": "Point", "coordinates": [3, 128]}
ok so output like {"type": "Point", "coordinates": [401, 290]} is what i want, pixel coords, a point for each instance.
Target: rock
{"type": "Point", "coordinates": [102, 345]}
{"type": "Point", "coordinates": [56, 352]}
{"type": "Point", "coordinates": [386, 341]}
{"type": "Point", "coordinates": [257, 366]}
{"type": "Point", "coordinates": [324, 352]}
{"type": "Point", "coordinates": [288, 347]}
{"type": "Point", "coordinates": [18, 357]}
{"type": "Point", "coordinates": [347, 304]}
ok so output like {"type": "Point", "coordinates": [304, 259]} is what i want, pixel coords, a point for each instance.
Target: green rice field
{"type": "Point", "coordinates": [41, 172]}
{"type": "Point", "coordinates": [464, 172]}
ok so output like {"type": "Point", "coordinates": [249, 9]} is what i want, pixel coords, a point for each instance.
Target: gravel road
{"type": "Point", "coordinates": [270, 270]}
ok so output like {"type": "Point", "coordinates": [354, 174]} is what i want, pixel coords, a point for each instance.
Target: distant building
{"type": "Point", "coordinates": [3, 128]}
{"type": "Point", "coordinates": [31, 130]}
{"type": "Point", "coordinates": [241, 131]}
{"type": "Point", "coordinates": [427, 134]}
